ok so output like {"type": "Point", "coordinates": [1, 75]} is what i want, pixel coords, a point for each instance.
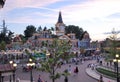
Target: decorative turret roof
{"type": "Point", "coordinates": [59, 22]}
{"type": "Point", "coordinates": [60, 26]}
{"type": "Point", "coordinates": [60, 18]}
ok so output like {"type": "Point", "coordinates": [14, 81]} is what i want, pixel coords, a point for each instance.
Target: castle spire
{"type": "Point", "coordinates": [60, 26]}
{"type": "Point", "coordinates": [60, 18]}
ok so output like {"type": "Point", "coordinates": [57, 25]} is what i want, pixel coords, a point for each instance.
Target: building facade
{"type": "Point", "coordinates": [44, 37]}
{"type": "Point", "coordinates": [85, 42]}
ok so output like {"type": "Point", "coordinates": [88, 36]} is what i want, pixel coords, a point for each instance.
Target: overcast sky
{"type": "Point", "coordinates": [94, 16]}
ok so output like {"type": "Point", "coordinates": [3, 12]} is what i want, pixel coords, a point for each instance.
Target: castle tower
{"type": "Point", "coordinates": [60, 26]}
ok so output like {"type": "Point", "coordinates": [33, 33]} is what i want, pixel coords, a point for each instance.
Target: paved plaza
{"type": "Point", "coordinates": [81, 77]}
{"type": "Point", "coordinates": [85, 74]}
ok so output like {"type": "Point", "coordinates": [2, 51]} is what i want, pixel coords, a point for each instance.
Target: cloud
{"type": "Point", "coordinates": [87, 10]}
{"type": "Point", "coordinates": [92, 9]}
{"type": "Point", "coordinates": [16, 5]}
{"type": "Point", "coordinates": [13, 4]}
{"type": "Point", "coordinates": [32, 17]}
{"type": "Point", "coordinates": [115, 15]}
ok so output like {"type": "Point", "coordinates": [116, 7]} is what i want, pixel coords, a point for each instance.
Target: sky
{"type": "Point", "coordinates": [95, 16]}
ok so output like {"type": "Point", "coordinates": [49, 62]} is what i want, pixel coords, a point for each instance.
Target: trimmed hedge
{"type": "Point", "coordinates": [107, 72]}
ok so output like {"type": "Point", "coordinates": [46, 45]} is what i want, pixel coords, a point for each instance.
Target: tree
{"type": "Point", "coordinates": [2, 45]}
{"type": "Point", "coordinates": [2, 37]}
{"type": "Point", "coordinates": [45, 28]}
{"type": "Point", "coordinates": [57, 50]}
{"type": "Point", "coordinates": [52, 29]}
{"type": "Point", "coordinates": [6, 35]}
{"type": "Point", "coordinates": [30, 29]}
{"type": "Point", "coordinates": [113, 38]}
{"type": "Point", "coordinates": [22, 38]}
{"type": "Point", "coordinates": [112, 44]}
{"type": "Point", "coordinates": [74, 29]}
{"type": "Point", "coordinates": [10, 37]}
{"type": "Point", "coordinates": [39, 29]}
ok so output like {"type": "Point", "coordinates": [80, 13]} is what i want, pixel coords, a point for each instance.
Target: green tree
{"type": "Point", "coordinates": [74, 29]}
{"type": "Point", "coordinates": [22, 38]}
{"type": "Point", "coordinates": [57, 50]}
{"type": "Point", "coordinates": [2, 45]}
{"type": "Point", "coordinates": [112, 44]}
{"type": "Point", "coordinates": [6, 35]}
{"type": "Point", "coordinates": [10, 37]}
{"type": "Point", "coordinates": [7, 38]}
{"type": "Point", "coordinates": [113, 38]}
{"type": "Point", "coordinates": [39, 29]}
{"type": "Point", "coordinates": [45, 28]}
{"type": "Point", "coordinates": [30, 29]}
{"type": "Point", "coordinates": [2, 37]}
{"type": "Point", "coordinates": [52, 29]}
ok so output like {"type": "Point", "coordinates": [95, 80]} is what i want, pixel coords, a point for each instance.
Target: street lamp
{"type": "Point", "coordinates": [14, 65]}
{"type": "Point", "coordinates": [117, 60]}
{"type": "Point", "coordinates": [31, 64]}
{"type": "Point", "coordinates": [48, 54]}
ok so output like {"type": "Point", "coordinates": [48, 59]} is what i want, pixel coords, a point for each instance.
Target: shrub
{"type": "Point", "coordinates": [107, 72]}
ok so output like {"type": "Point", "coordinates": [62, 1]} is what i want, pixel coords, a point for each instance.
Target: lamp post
{"type": "Point", "coordinates": [14, 65]}
{"type": "Point", "coordinates": [31, 64]}
{"type": "Point", "coordinates": [117, 60]}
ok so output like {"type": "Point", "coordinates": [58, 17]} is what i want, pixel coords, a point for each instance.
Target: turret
{"type": "Point", "coordinates": [60, 26]}
{"type": "Point", "coordinates": [60, 18]}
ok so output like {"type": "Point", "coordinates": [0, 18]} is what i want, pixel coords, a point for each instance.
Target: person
{"type": "Point", "coordinates": [101, 78]}
{"type": "Point", "coordinates": [107, 64]}
{"type": "Point", "coordinates": [39, 79]}
{"type": "Point", "coordinates": [66, 79]}
{"type": "Point", "coordinates": [76, 70]}
{"type": "Point", "coordinates": [69, 69]}
{"type": "Point", "coordinates": [92, 66]}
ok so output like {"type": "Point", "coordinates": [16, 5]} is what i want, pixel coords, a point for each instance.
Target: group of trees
{"type": "Point", "coordinates": [6, 36]}
{"type": "Point", "coordinates": [74, 29]}
{"type": "Point", "coordinates": [111, 45]}
{"type": "Point", "coordinates": [30, 29]}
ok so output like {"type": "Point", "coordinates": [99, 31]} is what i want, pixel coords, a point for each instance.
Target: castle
{"type": "Point", "coordinates": [45, 36]}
